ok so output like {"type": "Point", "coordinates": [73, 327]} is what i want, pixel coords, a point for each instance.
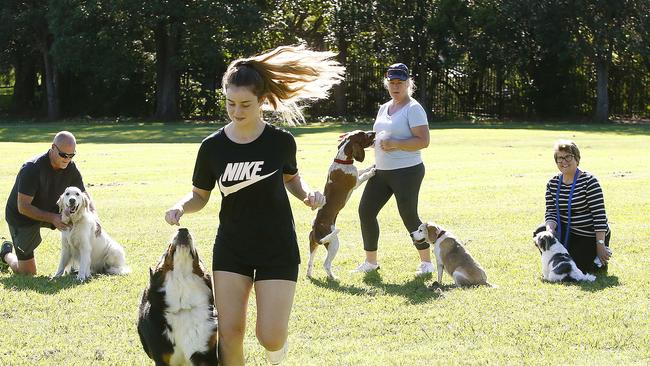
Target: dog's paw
{"type": "Point", "coordinates": [83, 277]}
{"type": "Point", "coordinates": [589, 277]}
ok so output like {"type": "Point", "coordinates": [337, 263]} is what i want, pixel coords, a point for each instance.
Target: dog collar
{"type": "Point", "coordinates": [346, 162]}
{"type": "Point", "coordinates": [440, 234]}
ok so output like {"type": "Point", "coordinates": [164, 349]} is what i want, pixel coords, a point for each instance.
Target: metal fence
{"type": "Point", "coordinates": [464, 92]}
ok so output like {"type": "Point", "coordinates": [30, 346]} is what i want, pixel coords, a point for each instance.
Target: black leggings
{"type": "Point", "coordinates": [405, 185]}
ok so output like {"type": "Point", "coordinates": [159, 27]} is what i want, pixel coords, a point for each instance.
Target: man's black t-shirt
{"type": "Point", "coordinates": [38, 179]}
{"type": "Point", "coordinates": [255, 221]}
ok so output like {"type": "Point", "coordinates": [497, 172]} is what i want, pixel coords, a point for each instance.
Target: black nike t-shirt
{"type": "Point", "coordinates": [255, 221]}
{"type": "Point", "coordinates": [38, 179]}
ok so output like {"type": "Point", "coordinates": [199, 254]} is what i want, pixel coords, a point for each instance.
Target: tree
{"type": "Point", "coordinates": [605, 27]}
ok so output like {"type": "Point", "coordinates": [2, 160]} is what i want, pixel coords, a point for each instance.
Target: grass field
{"type": "Point", "coordinates": [484, 182]}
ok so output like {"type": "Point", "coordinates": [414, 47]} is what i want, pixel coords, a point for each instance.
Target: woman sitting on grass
{"type": "Point", "coordinates": [583, 227]}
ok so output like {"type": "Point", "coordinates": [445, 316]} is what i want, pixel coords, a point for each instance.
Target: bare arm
{"type": "Point", "coordinates": [192, 202]}
{"type": "Point", "coordinates": [299, 189]}
{"type": "Point", "coordinates": [420, 140]}
{"type": "Point", "coordinates": [26, 208]}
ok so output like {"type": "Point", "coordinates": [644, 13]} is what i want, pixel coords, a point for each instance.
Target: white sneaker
{"type": "Point", "coordinates": [424, 268]}
{"type": "Point", "coordinates": [366, 267]}
{"type": "Point", "coordinates": [276, 357]}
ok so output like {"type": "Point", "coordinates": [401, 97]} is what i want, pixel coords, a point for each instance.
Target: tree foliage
{"type": "Point", "coordinates": [164, 59]}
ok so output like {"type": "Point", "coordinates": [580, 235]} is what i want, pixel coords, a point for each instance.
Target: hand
{"type": "Point", "coordinates": [604, 253]}
{"type": "Point", "coordinates": [173, 215]}
{"type": "Point", "coordinates": [388, 144]}
{"type": "Point", "coordinates": [314, 200]}
{"type": "Point", "coordinates": [59, 222]}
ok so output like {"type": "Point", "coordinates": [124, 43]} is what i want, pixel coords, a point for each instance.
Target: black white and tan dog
{"type": "Point", "coordinates": [83, 246]}
{"type": "Point", "coordinates": [451, 256]}
{"type": "Point", "coordinates": [177, 324]}
{"type": "Point", "coordinates": [342, 178]}
{"type": "Point", "coordinates": [557, 264]}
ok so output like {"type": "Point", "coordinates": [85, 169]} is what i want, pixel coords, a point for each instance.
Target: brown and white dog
{"type": "Point", "coordinates": [176, 322]}
{"type": "Point", "coordinates": [342, 178]}
{"type": "Point", "coordinates": [452, 256]}
{"type": "Point", "coordinates": [83, 246]}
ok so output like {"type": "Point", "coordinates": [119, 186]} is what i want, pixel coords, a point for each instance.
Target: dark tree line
{"type": "Point", "coordinates": [164, 59]}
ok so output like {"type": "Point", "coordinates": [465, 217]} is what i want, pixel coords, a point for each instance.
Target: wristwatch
{"type": "Point", "coordinates": [601, 241]}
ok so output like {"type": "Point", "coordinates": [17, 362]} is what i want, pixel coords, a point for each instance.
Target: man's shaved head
{"type": "Point", "coordinates": [64, 138]}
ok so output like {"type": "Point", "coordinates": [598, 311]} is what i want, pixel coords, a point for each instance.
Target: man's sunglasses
{"type": "Point", "coordinates": [64, 155]}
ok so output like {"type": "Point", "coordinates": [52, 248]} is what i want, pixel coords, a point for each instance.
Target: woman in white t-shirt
{"type": "Point", "coordinates": [402, 131]}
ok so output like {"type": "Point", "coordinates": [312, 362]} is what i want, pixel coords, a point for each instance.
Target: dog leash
{"type": "Point", "coordinates": [557, 208]}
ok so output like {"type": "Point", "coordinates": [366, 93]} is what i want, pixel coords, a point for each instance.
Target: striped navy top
{"type": "Point", "coordinates": [587, 207]}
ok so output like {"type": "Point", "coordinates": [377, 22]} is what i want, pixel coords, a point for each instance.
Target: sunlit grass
{"type": "Point", "coordinates": [485, 183]}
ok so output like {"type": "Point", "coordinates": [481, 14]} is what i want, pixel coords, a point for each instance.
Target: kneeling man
{"type": "Point", "coordinates": [32, 202]}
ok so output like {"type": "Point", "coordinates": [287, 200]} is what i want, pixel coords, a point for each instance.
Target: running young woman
{"type": "Point", "coordinates": [252, 162]}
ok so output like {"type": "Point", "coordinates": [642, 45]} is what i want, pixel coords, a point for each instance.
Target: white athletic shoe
{"type": "Point", "coordinates": [424, 268]}
{"type": "Point", "coordinates": [276, 357]}
{"type": "Point", "coordinates": [366, 267]}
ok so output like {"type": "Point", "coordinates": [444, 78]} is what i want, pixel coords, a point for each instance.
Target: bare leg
{"type": "Point", "coordinates": [27, 267]}
{"type": "Point", "coordinates": [231, 299]}
{"type": "Point", "coordinates": [274, 301]}
{"type": "Point", "coordinates": [371, 257]}
{"type": "Point", "coordinates": [425, 255]}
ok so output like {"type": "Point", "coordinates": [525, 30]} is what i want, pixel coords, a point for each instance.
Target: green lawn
{"type": "Point", "coordinates": [484, 182]}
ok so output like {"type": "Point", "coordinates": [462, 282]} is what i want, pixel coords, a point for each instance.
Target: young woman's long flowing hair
{"type": "Point", "coordinates": [286, 76]}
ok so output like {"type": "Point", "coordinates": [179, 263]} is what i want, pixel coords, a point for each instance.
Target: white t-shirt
{"type": "Point", "coordinates": [398, 126]}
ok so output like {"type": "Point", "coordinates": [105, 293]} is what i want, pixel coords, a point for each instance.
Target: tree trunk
{"type": "Point", "coordinates": [51, 85]}
{"type": "Point", "coordinates": [25, 84]}
{"type": "Point", "coordinates": [168, 38]}
{"type": "Point", "coordinates": [602, 94]}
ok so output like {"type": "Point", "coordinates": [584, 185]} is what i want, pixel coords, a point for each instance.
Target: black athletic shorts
{"type": "Point", "coordinates": [26, 239]}
{"type": "Point", "coordinates": [223, 260]}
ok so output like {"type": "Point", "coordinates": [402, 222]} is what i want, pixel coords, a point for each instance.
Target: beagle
{"type": "Point", "coordinates": [452, 256]}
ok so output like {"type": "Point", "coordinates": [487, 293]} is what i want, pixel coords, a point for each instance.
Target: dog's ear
{"type": "Point", "coordinates": [60, 202]}
{"type": "Point", "coordinates": [539, 230]}
{"type": "Point", "coordinates": [358, 152]}
{"type": "Point", "coordinates": [84, 201]}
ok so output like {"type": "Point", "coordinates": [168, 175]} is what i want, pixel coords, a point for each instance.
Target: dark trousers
{"type": "Point", "coordinates": [405, 185]}
{"type": "Point", "coordinates": [582, 249]}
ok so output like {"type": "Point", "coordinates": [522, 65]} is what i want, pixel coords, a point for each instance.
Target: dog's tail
{"type": "Point", "coordinates": [327, 238]}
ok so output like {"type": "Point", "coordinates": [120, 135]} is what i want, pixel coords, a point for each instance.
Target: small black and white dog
{"type": "Point", "coordinates": [557, 264]}
{"type": "Point", "coordinates": [176, 324]}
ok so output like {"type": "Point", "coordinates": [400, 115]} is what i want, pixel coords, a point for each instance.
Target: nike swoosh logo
{"type": "Point", "coordinates": [241, 185]}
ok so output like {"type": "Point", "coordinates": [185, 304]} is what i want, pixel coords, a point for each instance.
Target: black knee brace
{"type": "Point", "coordinates": [420, 243]}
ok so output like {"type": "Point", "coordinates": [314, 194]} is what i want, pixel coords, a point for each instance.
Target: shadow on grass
{"type": "Point", "coordinates": [602, 282]}
{"type": "Point", "coordinates": [335, 285]}
{"type": "Point", "coordinates": [415, 291]}
{"type": "Point", "coordinates": [41, 284]}
{"type": "Point", "coordinates": [95, 131]}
